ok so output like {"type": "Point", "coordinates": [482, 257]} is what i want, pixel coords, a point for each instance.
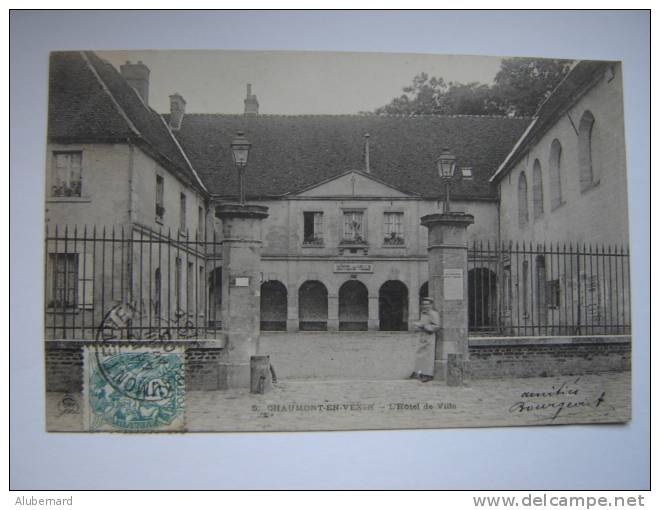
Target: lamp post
{"type": "Point", "coordinates": [446, 166]}
{"type": "Point", "coordinates": [240, 149]}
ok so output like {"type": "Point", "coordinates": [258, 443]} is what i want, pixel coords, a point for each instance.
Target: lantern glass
{"type": "Point", "coordinates": [446, 164]}
{"type": "Point", "coordinates": [240, 149]}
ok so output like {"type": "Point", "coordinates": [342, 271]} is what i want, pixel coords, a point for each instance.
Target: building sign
{"type": "Point", "coordinates": [353, 267]}
{"type": "Point", "coordinates": [453, 284]}
{"type": "Point", "coordinates": [242, 281]}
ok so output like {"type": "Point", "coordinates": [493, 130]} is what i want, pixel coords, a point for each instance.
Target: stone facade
{"type": "Point", "coordinates": [594, 214]}
{"type": "Point", "coordinates": [314, 275]}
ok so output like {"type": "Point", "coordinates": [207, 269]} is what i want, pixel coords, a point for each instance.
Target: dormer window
{"type": "Point", "coordinates": [466, 173]}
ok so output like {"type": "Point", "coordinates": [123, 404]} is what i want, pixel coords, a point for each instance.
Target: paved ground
{"type": "Point", "coordinates": [341, 355]}
{"type": "Point", "coordinates": [325, 405]}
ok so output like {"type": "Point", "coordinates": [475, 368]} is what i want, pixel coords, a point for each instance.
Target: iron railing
{"type": "Point", "coordinates": [558, 289]}
{"type": "Point", "coordinates": [119, 283]}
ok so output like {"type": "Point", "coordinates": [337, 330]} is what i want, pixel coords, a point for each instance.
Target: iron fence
{"type": "Point", "coordinates": [558, 289]}
{"type": "Point", "coordinates": [118, 283]}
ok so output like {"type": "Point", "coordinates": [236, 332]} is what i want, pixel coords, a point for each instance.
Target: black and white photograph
{"type": "Point", "coordinates": [300, 241]}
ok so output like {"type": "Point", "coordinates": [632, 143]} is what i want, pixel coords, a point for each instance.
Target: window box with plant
{"type": "Point", "coordinates": [393, 239]}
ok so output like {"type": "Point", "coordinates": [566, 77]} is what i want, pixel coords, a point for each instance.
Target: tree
{"type": "Point", "coordinates": [520, 86]}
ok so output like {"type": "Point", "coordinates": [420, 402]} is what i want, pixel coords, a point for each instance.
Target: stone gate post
{"type": "Point", "coordinates": [448, 287]}
{"type": "Point", "coordinates": [241, 272]}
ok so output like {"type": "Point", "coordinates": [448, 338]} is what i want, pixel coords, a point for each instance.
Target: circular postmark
{"type": "Point", "coordinates": [137, 390]}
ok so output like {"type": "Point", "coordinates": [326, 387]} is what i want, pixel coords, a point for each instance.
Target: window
{"type": "Point", "coordinates": [177, 284]}
{"type": "Point", "coordinates": [585, 133]}
{"type": "Point", "coordinates": [158, 284]}
{"type": "Point", "coordinates": [313, 228]}
{"type": "Point", "coordinates": [190, 287]}
{"type": "Point", "coordinates": [201, 290]}
{"type": "Point", "coordinates": [160, 191]}
{"type": "Point", "coordinates": [525, 290]}
{"type": "Point", "coordinates": [72, 280]}
{"type": "Point", "coordinates": [553, 293]}
{"type": "Point", "coordinates": [64, 287]}
{"type": "Point", "coordinates": [200, 222]}
{"type": "Point", "coordinates": [354, 227]}
{"type": "Point", "coordinates": [67, 174]}
{"type": "Point", "coordinates": [182, 214]}
{"type": "Point", "coordinates": [523, 208]}
{"type": "Point", "coordinates": [393, 228]}
{"type": "Point", "coordinates": [555, 174]}
{"type": "Point", "coordinates": [537, 190]}
{"type": "Point", "coordinates": [466, 173]}
{"type": "Point", "coordinates": [508, 291]}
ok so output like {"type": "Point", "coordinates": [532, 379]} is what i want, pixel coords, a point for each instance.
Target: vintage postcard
{"type": "Point", "coordinates": [294, 241]}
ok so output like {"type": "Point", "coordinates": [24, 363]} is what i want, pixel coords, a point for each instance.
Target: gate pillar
{"type": "Point", "coordinates": [448, 287]}
{"type": "Point", "coordinates": [241, 260]}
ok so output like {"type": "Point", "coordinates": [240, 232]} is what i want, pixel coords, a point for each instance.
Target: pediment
{"type": "Point", "coordinates": [352, 184]}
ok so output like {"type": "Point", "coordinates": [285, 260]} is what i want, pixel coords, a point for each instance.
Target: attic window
{"type": "Point", "coordinates": [466, 173]}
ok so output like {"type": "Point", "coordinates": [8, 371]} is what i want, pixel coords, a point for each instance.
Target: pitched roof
{"type": "Point", "coordinates": [579, 79]}
{"type": "Point", "coordinates": [89, 101]}
{"type": "Point", "coordinates": [292, 153]}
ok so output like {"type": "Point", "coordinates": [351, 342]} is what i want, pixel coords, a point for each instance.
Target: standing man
{"type": "Point", "coordinates": [428, 324]}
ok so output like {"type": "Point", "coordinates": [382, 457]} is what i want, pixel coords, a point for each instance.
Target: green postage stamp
{"type": "Point", "coordinates": [134, 389]}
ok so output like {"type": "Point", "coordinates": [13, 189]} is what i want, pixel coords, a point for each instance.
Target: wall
{"type": "Point", "coordinates": [597, 215]}
{"type": "Point", "coordinates": [548, 356]}
{"type": "Point", "coordinates": [105, 187]}
{"type": "Point", "coordinates": [376, 356]}
{"type": "Point", "coordinates": [286, 259]}
{"type": "Point", "coordinates": [144, 199]}
{"type": "Point", "coordinates": [283, 229]}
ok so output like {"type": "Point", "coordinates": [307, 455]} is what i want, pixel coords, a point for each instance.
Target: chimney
{"type": "Point", "coordinates": [137, 76]}
{"type": "Point", "coordinates": [366, 153]}
{"type": "Point", "coordinates": [177, 110]}
{"type": "Point", "coordinates": [251, 103]}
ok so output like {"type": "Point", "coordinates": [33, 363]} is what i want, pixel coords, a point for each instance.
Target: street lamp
{"type": "Point", "coordinates": [240, 149]}
{"type": "Point", "coordinates": [446, 166]}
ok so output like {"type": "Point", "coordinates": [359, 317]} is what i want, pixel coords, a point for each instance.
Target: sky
{"type": "Point", "coordinates": [289, 82]}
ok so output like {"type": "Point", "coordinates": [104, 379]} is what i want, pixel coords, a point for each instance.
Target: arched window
{"type": "Point", "coordinates": [585, 133]}
{"type": "Point", "coordinates": [523, 208]}
{"type": "Point", "coordinates": [555, 174]}
{"type": "Point", "coordinates": [537, 189]}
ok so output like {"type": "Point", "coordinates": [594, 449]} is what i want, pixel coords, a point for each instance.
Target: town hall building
{"type": "Point", "coordinates": [131, 197]}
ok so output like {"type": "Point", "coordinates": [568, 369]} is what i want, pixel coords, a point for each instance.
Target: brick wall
{"type": "Point", "coordinates": [64, 367]}
{"type": "Point", "coordinates": [202, 368]}
{"type": "Point", "coordinates": [376, 356]}
{"type": "Point", "coordinates": [548, 356]}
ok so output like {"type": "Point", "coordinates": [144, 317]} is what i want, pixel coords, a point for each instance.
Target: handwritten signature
{"type": "Point", "coordinates": [556, 400]}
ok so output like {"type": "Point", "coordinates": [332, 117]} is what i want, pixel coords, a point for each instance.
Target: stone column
{"type": "Point", "coordinates": [333, 312]}
{"type": "Point", "coordinates": [292, 320]}
{"type": "Point", "coordinates": [448, 287]}
{"type": "Point", "coordinates": [373, 323]}
{"type": "Point", "coordinates": [241, 274]}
